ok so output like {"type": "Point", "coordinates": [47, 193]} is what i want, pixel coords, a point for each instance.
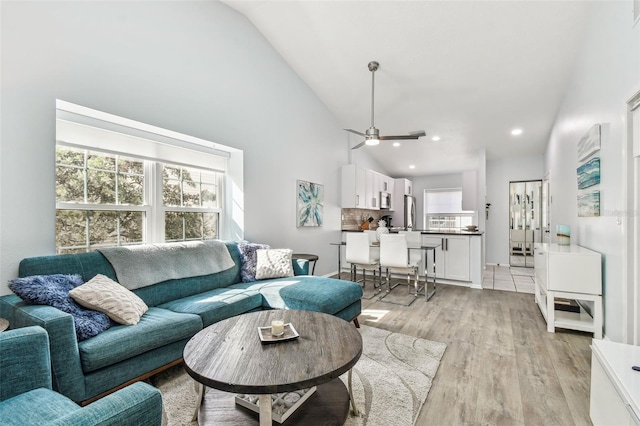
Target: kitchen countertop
{"type": "Point", "coordinates": [429, 231]}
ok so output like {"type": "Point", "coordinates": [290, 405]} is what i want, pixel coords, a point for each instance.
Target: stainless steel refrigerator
{"type": "Point", "coordinates": [409, 211]}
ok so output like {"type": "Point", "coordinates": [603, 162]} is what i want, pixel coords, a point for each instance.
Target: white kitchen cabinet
{"type": "Point", "coordinates": [615, 387]}
{"type": "Point", "coordinates": [406, 185]}
{"type": "Point", "coordinates": [452, 257]}
{"type": "Point", "coordinates": [569, 272]}
{"type": "Point", "coordinates": [361, 187]}
{"type": "Point", "coordinates": [402, 187]}
{"type": "Point", "coordinates": [354, 187]}
{"type": "Point", "coordinates": [372, 189]}
{"type": "Point", "coordinates": [387, 185]}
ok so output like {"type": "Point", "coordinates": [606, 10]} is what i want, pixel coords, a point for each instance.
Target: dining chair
{"type": "Point", "coordinates": [361, 254]}
{"type": "Point", "coordinates": [395, 257]}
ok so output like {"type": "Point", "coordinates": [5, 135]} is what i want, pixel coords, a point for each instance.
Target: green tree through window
{"type": "Point", "coordinates": [101, 201]}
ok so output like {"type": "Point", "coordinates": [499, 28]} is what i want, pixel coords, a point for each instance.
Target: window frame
{"type": "Point", "coordinates": [153, 208]}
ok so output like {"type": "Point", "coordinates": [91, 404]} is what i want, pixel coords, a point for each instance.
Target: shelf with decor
{"type": "Point", "coordinates": [569, 272]}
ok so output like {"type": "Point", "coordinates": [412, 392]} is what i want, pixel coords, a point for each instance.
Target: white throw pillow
{"type": "Point", "coordinates": [273, 263]}
{"type": "Point", "coordinates": [103, 294]}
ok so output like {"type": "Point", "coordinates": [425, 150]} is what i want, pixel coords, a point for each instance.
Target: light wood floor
{"type": "Point", "coordinates": [501, 366]}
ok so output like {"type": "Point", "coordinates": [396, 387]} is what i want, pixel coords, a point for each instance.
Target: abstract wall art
{"type": "Point", "coordinates": [589, 143]}
{"type": "Point", "coordinates": [309, 204]}
{"type": "Point", "coordinates": [589, 173]}
{"type": "Point", "coordinates": [589, 204]}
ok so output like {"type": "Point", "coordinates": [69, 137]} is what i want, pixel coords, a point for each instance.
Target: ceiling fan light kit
{"type": "Point", "coordinates": [372, 135]}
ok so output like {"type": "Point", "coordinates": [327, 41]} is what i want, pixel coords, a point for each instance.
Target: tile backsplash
{"type": "Point", "coordinates": [353, 218]}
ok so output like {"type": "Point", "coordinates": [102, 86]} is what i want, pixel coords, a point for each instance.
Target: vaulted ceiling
{"type": "Point", "coordinates": [466, 71]}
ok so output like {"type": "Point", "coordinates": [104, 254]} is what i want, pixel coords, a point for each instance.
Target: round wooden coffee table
{"type": "Point", "coordinates": [229, 356]}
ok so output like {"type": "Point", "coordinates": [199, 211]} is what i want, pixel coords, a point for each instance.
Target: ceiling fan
{"type": "Point", "coordinates": [372, 135]}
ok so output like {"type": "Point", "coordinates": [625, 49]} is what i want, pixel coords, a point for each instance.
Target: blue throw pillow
{"type": "Point", "coordinates": [53, 290]}
{"type": "Point", "coordinates": [249, 260]}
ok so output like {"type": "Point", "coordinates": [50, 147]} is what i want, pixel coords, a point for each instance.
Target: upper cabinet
{"type": "Point", "coordinates": [386, 184]}
{"type": "Point", "coordinates": [353, 187]}
{"type": "Point", "coordinates": [372, 190]}
{"type": "Point", "coordinates": [404, 185]}
{"type": "Point", "coordinates": [361, 187]}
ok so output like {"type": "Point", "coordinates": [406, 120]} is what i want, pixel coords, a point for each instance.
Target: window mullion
{"type": "Point", "coordinates": [85, 174]}
{"type": "Point", "coordinates": [155, 224]}
{"type": "Point", "coordinates": [87, 231]}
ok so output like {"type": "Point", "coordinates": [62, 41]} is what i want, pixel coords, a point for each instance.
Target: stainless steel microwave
{"type": "Point", "coordinates": [385, 200]}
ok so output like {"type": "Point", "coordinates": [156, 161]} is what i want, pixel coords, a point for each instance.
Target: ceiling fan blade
{"type": "Point", "coordinates": [355, 131]}
{"type": "Point", "coordinates": [360, 145]}
{"type": "Point", "coordinates": [399, 137]}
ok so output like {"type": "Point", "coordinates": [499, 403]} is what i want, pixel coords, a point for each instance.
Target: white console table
{"type": "Point", "coordinates": [615, 387]}
{"type": "Point", "coordinates": [569, 272]}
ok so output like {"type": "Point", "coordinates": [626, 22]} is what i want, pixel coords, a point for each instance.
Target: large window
{"type": "Point", "coordinates": [122, 182]}
{"type": "Point", "coordinates": [105, 199]}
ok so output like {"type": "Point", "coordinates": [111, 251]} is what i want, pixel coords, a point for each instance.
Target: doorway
{"type": "Point", "coordinates": [524, 221]}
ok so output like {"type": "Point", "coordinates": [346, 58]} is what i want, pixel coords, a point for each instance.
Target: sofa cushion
{"type": "Point", "coordinates": [249, 259]}
{"type": "Point", "coordinates": [36, 407]}
{"type": "Point", "coordinates": [321, 294]}
{"type": "Point", "coordinates": [275, 263]}
{"type": "Point", "coordinates": [107, 296]}
{"type": "Point", "coordinates": [216, 305]}
{"type": "Point", "coordinates": [308, 292]}
{"type": "Point", "coordinates": [157, 327]}
{"type": "Point", "coordinates": [53, 290]}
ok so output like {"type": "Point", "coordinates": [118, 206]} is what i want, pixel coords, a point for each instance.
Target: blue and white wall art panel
{"type": "Point", "coordinates": [309, 204]}
{"type": "Point", "coordinates": [589, 173]}
{"type": "Point", "coordinates": [589, 143]}
{"type": "Point", "coordinates": [589, 204]}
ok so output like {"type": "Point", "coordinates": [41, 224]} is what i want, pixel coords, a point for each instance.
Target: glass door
{"type": "Point", "coordinates": [524, 221]}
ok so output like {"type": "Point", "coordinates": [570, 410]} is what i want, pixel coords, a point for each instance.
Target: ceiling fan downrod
{"type": "Point", "coordinates": [373, 136]}
{"type": "Point", "coordinates": [373, 67]}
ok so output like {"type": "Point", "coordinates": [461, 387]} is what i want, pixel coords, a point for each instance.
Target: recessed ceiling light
{"type": "Point", "coordinates": [396, 144]}
{"type": "Point", "coordinates": [412, 166]}
{"type": "Point", "coordinates": [516, 132]}
{"type": "Point", "coordinates": [435, 138]}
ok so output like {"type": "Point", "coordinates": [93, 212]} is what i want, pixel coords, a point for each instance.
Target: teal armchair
{"type": "Point", "coordinates": [26, 396]}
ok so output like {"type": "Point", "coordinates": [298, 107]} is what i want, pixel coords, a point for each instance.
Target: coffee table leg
{"type": "Point", "coordinates": [265, 410]}
{"type": "Point", "coordinates": [200, 392]}
{"type": "Point", "coordinates": [354, 409]}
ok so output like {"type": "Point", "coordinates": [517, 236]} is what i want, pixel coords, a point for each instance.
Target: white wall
{"type": "Point", "coordinates": [607, 73]}
{"type": "Point", "coordinates": [499, 174]}
{"type": "Point", "coordinates": [198, 68]}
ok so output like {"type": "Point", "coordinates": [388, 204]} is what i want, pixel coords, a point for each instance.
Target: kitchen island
{"type": "Point", "coordinates": [458, 257]}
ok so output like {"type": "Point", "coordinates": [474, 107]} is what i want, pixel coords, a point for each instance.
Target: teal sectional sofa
{"type": "Point", "coordinates": [26, 397]}
{"type": "Point", "coordinates": [178, 309]}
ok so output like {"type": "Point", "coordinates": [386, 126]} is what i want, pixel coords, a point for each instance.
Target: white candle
{"type": "Point", "coordinates": [277, 327]}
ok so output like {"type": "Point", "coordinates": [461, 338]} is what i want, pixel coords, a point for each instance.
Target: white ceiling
{"type": "Point", "coordinates": [467, 71]}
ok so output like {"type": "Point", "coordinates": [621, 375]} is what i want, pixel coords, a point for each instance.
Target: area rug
{"type": "Point", "coordinates": [390, 381]}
